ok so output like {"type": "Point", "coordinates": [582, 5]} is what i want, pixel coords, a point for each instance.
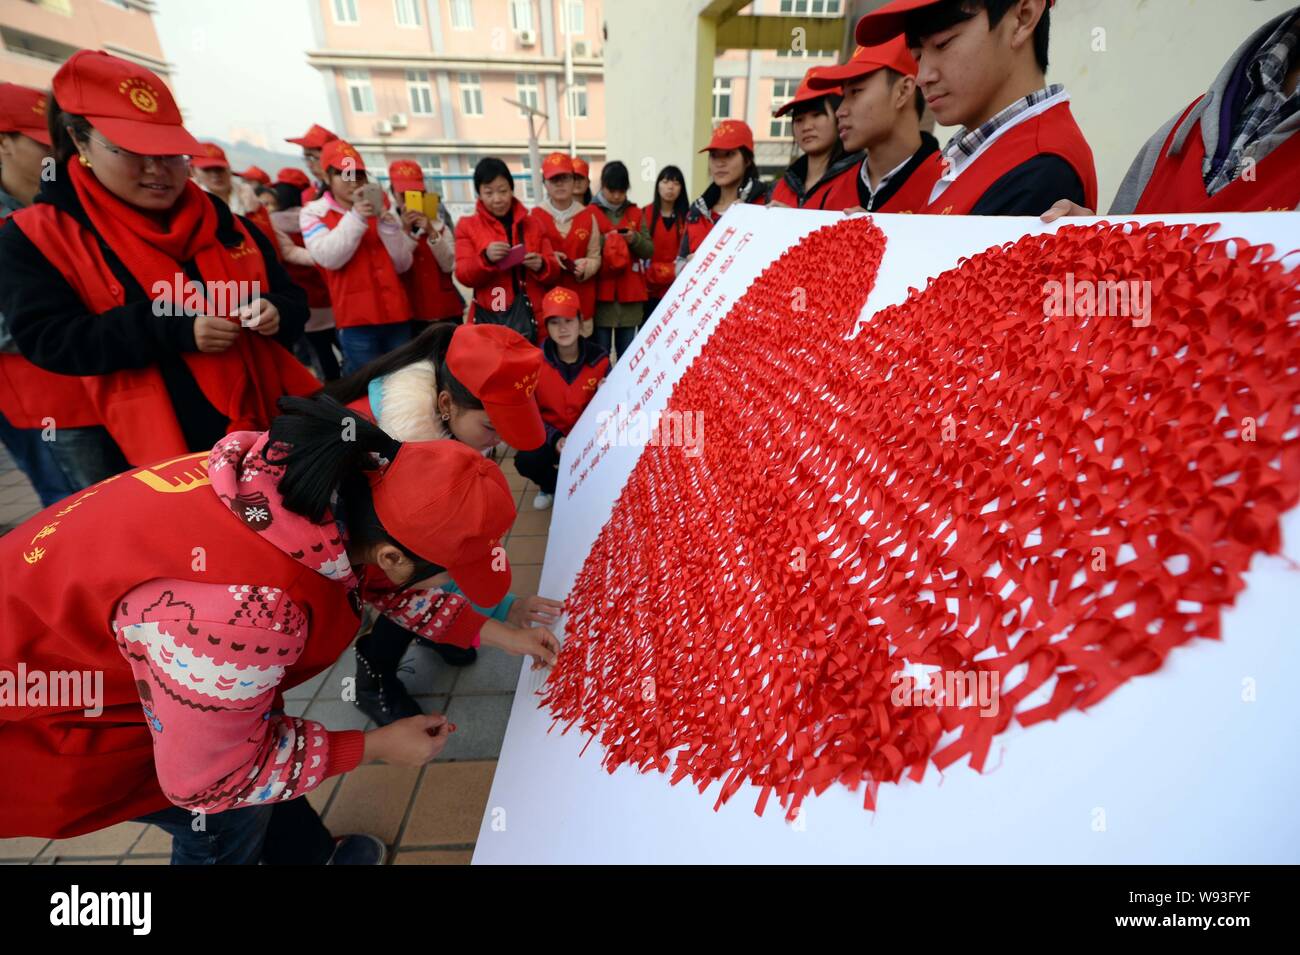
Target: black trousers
{"type": "Point", "coordinates": [541, 466]}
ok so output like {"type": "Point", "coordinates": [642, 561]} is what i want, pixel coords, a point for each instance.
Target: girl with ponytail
{"type": "Point", "coordinates": [472, 384]}
{"type": "Point", "coordinates": [273, 541]}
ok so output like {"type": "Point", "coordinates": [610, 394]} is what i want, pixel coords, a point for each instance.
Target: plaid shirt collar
{"type": "Point", "coordinates": [1267, 104]}
{"type": "Point", "coordinates": [965, 142]}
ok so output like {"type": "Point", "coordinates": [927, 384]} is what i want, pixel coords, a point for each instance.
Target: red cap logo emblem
{"type": "Point", "coordinates": [142, 96]}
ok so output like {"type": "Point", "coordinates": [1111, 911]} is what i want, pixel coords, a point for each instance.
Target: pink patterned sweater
{"type": "Point", "coordinates": [209, 658]}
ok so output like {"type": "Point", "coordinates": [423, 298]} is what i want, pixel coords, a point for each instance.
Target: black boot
{"type": "Point", "coordinates": [381, 696]}
{"type": "Point", "coordinates": [451, 654]}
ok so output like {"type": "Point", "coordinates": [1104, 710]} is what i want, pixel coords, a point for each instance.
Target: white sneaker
{"type": "Point", "coordinates": [543, 501]}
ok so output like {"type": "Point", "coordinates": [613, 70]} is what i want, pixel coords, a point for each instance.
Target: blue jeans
{"type": "Point", "coordinates": [75, 459]}
{"type": "Point", "coordinates": [282, 833]}
{"type": "Point", "coordinates": [621, 337]}
{"type": "Point", "coordinates": [233, 837]}
{"type": "Point", "coordinates": [362, 344]}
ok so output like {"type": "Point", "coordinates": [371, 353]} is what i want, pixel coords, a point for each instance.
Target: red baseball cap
{"type": "Point", "coordinates": [294, 177]}
{"type": "Point", "coordinates": [888, 22]}
{"type": "Point", "coordinates": [580, 168]}
{"type": "Point", "coordinates": [314, 138]}
{"type": "Point", "coordinates": [341, 155]}
{"type": "Point", "coordinates": [405, 174]}
{"type": "Point", "coordinates": [255, 174]}
{"type": "Point", "coordinates": [127, 103]}
{"type": "Point", "coordinates": [450, 505]}
{"type": "Point", "coordinates": [807, 91]}
{"type": "Point", "coordinates": [210, 156]}
{"type": "Point", "coordinates": [500, 368]}
{"type": "Point", "coordinates": [731, 134]}
{"type": "Point", "coordinates": [557, 164]}
{"type": "Point", "coordinates": [560, 303]}
{"type": "Point", "coordinates": [23, 110]}
{"type": "Point", "coordinates": [865, 60]}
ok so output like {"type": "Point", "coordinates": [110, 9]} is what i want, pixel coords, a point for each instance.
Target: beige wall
{"type": "Point", "coordinates": [83, 24]}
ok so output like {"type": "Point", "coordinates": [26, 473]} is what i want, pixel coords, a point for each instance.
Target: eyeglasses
{"type": "Point", "coordinates": [126, 154]}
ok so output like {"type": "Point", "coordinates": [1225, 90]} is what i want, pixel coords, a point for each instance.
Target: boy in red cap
{"type": "Point", "coordinates": [312, 142]}
{"type": "Point", "coordinates": [880, 115]}
{"type": "Point", "coordinates": [734, 176]}
{"type": "Point", "coordinates": [813, 180]}
{"type": "Point", "coordinates": [433, 295]}
{"type": "Point", "coordinates": [571, 227]}
{"type": "Point", "coordinates": [363, 249]}
{"type": "Point", "coordinates": [573, 369]}
{"type": "Point", "coordinates": [982, 66]}
{"type": "Point", "coordinates": [1236, 148]}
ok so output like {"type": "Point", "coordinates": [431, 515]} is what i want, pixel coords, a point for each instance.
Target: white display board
{"type": "Point", "coordinates": [1173, 767]}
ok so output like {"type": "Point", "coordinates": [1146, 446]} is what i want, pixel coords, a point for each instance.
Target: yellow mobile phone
{"type": "Point", "coordinates": [414, 199]}
{"type": "Point", "coordinates": [431, 201]}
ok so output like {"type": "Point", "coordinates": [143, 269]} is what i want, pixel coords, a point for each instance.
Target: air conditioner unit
{"type": "Point", "coordinates": [383, 127]}
{"type": "Point", "coordinates": [581, 48]}
{"type": "Point", "coordinates": [398, 120]}
{"type": "Point", "coordinates": [527, 38]}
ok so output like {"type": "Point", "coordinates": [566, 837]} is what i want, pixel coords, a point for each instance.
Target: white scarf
{"type": "Point", "coordinates": [563, 218]}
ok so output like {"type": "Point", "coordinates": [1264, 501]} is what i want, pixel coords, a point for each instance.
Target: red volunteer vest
{"type": "Point", "coordinates": [367, 290]}
{"type": "Point", "coordinates": [429, 289]}
{"type": "Point", "coordinates": [310, 278]}
{"type": "Point", "coordinates": [133, 404]}
{"type": "Point", "coordinates": [29, 394]}
{"type": "Point", "coordinates": [912, 196]}
{"type": "Point", "coordinates": [662, 270]}
{"type": "Point", "coordinates": [1177, 183]}
{"type": "Point", "coordinates": [827, 194]}
{"type": "Point", "coordinates": [574, 246]}
{"type": "Point", "coordinates": [562, 403]}
{"type": "Point", "coordinates": [1054, 132]}
{"type": "Point", "coordinates": [61, 574]}
{"type": "Point", "coordinates": [629, 284]}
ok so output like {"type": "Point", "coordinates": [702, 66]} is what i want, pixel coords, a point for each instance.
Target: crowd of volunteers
{"type": "Point", "coordinates": [265, 413]}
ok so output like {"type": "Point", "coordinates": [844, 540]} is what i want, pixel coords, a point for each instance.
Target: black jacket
{"type": "Point", "coordinates": [53, 328]}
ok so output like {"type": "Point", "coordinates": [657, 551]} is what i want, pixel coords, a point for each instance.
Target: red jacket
{"type": "Point", "coordinates": [1177, 183]}
{"type": "Point", "coordinates": [29, 394]}
{"type": "Point", "coordinates": [574, 246]}
{"type": "Point", "coordinates": [628, 284]}
{"type": "Point", "coordinates": [1054, 132]}
{"type": "Point", "coordinates": [668, 242]}
{"type": "Point", "coordinates": [912, 196]}
{"type": "Point", "coordinates": [61, 575]}
{"type": "Point", "coordinates": [134, 404]}
{"type": "Point", "coordinates": [368, 289]}
{"type": "Point", "coordinates": [431, 291]}
{"type": "Point", "coordinates": [561, 401]}
{"type": "Point", "coordinates": [830, 190]}
{"type": "Point", "coordinates": [493, 287]}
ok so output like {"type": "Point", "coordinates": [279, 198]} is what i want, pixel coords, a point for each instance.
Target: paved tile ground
{"type": "Point", "coordinates": [427, 816]}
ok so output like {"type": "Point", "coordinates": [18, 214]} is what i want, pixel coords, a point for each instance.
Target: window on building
{"type": "Point", "coordinates": [462, 14]}
{"type": "Point", "coordinates": [521, 15]}
{"type": "Point", "coordinates": [818, 8]}
{"type": "Point", "coordinates": [782, 92]}
{"type": "Point", "coordinates": [407, 12]}
{"type": "Point", "coordinates": [345, 11]}
{"type": "Point", "coordinates": [526, 90]}
{"type": "Point", "coordinates": [578, 98]}
{"type": "Point", "coordinates": [421, 92]}
{"type": "Point", "coordinates": [524, 178]}
{"type": "Point", "coordinates": [575, 19]}
{"type": "Point", "coordinates": [804, 54]}
{"type": "Point", "coordinates": [471, 94]}
{"type": "Point", "coordinates": [360, 93]}
{"type": "Point", "coordinates": [721, 98]}
{"type": "Point", "coordinates": [431, 166]}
